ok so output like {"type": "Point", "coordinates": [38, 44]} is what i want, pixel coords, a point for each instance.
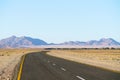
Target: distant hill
{"type": "Point", "coordinates": [14, 42]}
{"type": "Point", "coordinates": [18, 42]}
{"type": "Point", "coordinates": [101, 42]}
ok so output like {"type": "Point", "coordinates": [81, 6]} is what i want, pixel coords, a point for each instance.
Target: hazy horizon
{"type": "Point", "coordinates": [58, 42]}
{"type": "Point", "coordinates": [60, 21]}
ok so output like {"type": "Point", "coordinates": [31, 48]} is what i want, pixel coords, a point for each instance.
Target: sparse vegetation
{"type": "Point", "coordinates": [9, 58]}
{"type": "Point", "coordinates": [105, 58]}
{"type": "Point", "coordinates": [109, 59]}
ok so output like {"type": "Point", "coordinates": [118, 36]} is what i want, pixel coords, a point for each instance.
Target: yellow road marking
{"type": "Point", "coordinates": [21, 67]}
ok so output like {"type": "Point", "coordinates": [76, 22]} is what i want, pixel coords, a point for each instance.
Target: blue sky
{"type": "Point", "coordinates": [60, 20]}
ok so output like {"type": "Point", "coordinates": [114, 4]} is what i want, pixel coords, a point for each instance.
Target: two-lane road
{"type": "Point", "coordinates": [40, 66]}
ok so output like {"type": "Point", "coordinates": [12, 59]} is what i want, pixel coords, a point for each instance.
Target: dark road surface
{"type": "Point", "coordinates": [40, 66]}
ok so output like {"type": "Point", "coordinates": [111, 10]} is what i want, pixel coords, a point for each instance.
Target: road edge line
{"type": "Point", "coordinates": [21, 67]}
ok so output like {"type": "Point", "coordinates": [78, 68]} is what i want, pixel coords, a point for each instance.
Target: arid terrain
{"type": "Point", "coordinates": [9, 58]}
{"type": "Point", "coordinates": [108, 59]}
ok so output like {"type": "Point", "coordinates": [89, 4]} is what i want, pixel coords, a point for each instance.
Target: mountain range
{"type": "Point", "coordinates": [15, 42]}
{"type": "Point", "coordinates": [101, 42]}
{"type": "Point", "coordinates": [21, 42]}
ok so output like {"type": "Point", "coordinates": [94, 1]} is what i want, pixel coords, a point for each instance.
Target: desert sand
{"type": "Point", "coordinates": [107, 59]}
{"type": "Point", "coordinates": [9, 58]}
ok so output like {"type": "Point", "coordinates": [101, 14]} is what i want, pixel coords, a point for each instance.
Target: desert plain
{"type": "Point", "coordinates": [107, 59]}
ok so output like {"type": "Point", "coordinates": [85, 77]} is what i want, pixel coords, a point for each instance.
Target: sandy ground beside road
{"type": "Point", "coordinates": [9, 58]}
{"type": "Point", "coordinates": [108, 59]}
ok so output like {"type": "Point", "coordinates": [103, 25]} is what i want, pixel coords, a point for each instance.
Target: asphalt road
{"type": "Point", "coordinates": [40, 66]}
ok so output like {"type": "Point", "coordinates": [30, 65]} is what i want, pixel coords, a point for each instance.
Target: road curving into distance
{"type": "Point", "coordinates": [40, 66]}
